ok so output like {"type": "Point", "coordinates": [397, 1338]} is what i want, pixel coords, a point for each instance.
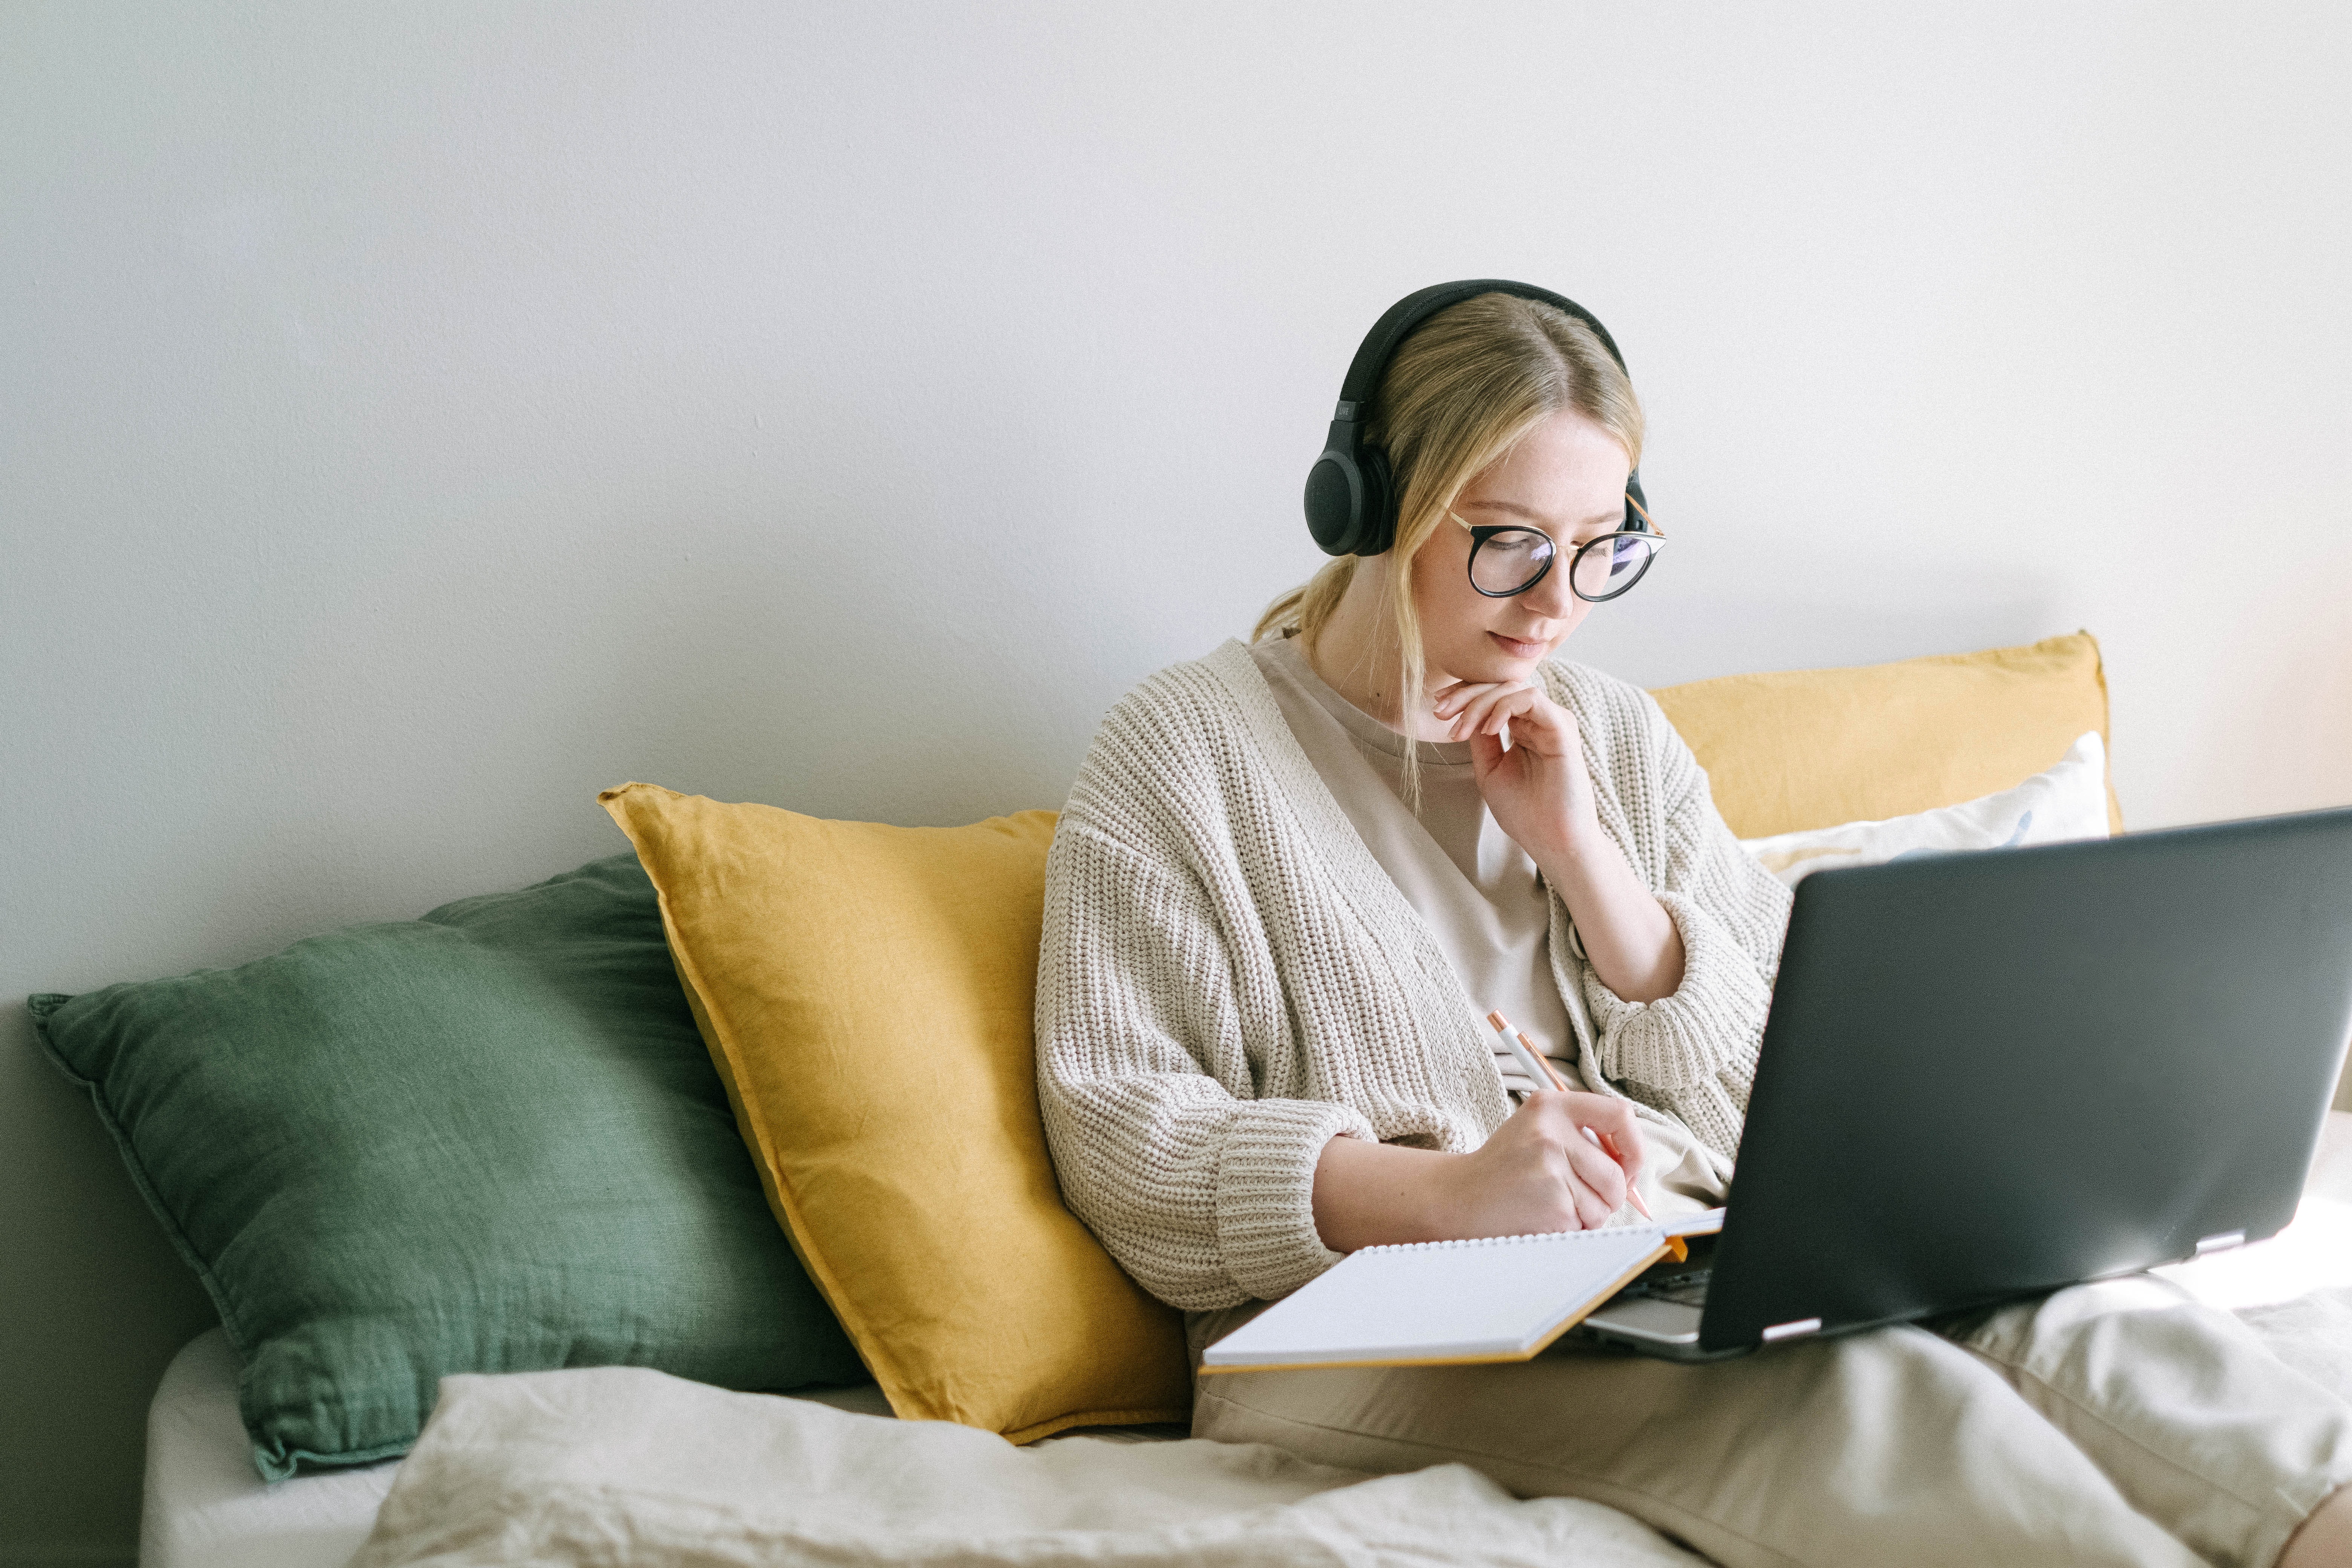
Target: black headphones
{"type": "Point", "coordinates": [1352, 500]}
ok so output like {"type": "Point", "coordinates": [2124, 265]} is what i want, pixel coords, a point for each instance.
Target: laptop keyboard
{"type": "Point", "coordinates": [1688, 1289]}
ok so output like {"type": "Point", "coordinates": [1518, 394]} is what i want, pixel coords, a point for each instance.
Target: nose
{"type": "Point", "coordinates": [1553, 599]}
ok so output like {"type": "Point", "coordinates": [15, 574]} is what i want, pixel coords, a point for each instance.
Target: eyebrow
{"type": "Point", "coordinates": [1611, 518]}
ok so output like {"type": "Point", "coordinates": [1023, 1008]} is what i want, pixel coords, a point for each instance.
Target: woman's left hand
{"type": "Point", "coordinates": [1539, 790]}
{"type": "Point", "coordinates": [1541, 795]}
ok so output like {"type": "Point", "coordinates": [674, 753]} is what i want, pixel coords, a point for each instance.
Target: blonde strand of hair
{"type": "Point", "coordinates": [1302, 611]}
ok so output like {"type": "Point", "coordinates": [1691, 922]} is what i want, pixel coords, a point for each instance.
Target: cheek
{"type": "Point", "coordinates": [1451, 610]}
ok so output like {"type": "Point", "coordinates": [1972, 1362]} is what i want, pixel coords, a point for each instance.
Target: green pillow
{"type": "Point", "coordinates": [487, 1141]}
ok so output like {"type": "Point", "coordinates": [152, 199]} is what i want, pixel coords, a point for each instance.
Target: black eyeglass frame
{"type": "Point", "coordinates": [1481, 533]}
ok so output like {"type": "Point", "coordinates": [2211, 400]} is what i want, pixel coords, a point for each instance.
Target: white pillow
{"type": "Point", "coordinates": [2070, 801]}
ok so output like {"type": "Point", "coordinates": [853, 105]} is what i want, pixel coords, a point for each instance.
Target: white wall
{"type": "Point", "coordinates": [416, 417]}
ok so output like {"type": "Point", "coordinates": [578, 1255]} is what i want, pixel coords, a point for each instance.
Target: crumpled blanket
{"type": "Point", "coordinates": [2312, 1334]}
{"type": "Point", "coordinates": [618, 1465]}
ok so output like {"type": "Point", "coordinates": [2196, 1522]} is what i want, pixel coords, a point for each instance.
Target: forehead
{"type": "Point", "coordinates": [1565, 472]}
{"type": "Point", "coordinates": [1561, 447]}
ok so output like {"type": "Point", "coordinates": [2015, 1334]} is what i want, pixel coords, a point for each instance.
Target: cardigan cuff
{"type": "Point", "coordinates": [1266, 1191]}
{"type": "Point", "coordinates": [1706, 1029]}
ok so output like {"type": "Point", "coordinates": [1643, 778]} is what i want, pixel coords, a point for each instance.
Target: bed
{"type": "Point", "coordinates": [683, 1237]}
{"type": "Point", "coordinates": [205, 1507]}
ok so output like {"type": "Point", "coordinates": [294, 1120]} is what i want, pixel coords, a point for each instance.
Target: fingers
{"type": "Point", "coordinates": [1584, 1210]}
{"type": "Point", "coordinates": [1592, 1210]}
{"type": "Point", "coordinates": [1605, 1178]}
{"type": "Point", "coordinates": [1544, 1153]}
{"type": "Point", "coordinates": [1484, 710]}
{"type": "Point", "coordinates": [1614, 1121]}
{"type": "Point", "coordinates": [1601, 1148]}
{"type": "Point", "coordinates": [1451, 700]}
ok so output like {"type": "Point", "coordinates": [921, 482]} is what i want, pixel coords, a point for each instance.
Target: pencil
{"type": "Point", "coordinates": [1538, 1067]}
{"type": "Point", "coordinates": [1530, 1061]}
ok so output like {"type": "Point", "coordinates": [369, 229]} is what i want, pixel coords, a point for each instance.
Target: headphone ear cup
{"type": "Point", "coordinates": [1378, 514]}
{"type": "Point", "coordinates": [1335, 499]}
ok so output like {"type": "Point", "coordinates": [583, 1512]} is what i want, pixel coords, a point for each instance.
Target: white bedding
{"type": "Point", "coordinates": [618, 1465]}
{"type": "Point", "coordinates": [205, 1508]}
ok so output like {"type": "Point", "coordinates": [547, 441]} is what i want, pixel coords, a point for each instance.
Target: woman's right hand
{"type": "Point", "coordinates": [1539, 1172]}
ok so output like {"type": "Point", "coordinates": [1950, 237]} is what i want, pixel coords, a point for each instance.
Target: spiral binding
{"type": "Point", "coordinates": [1500, 1240]}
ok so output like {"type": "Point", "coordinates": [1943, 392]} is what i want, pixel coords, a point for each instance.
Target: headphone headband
{"type": "Point", "coordinates": [1398, 320]}
{"type": "Point", "coordinates": [1350, 493]}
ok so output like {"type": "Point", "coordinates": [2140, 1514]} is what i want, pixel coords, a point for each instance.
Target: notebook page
{"type": "Point", "coordinates": [1447, 1300]}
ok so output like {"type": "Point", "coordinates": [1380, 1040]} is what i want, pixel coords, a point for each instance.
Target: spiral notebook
{"type": "Point", "coordinates": [1442, 1303]}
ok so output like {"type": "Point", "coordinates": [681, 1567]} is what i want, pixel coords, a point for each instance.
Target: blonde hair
{"type": "Point", "coordinates": [1460, 391]}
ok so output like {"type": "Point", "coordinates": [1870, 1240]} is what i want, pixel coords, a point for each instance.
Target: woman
{"type": "Point", "coordinates": [1293, 876]}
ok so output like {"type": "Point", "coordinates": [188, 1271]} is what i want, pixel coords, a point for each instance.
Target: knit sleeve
{"type": "Point", "coordinates": [1694, 1052]}
{"type": "Point", "coordinates": [1201, 1190]}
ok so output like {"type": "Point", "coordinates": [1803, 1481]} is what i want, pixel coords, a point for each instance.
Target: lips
{"type": "Point", "coordinates": [1516, 647]}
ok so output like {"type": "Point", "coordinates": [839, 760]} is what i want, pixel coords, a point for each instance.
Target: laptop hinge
{"type": "Point", "coordinates": [2221, 1242]}
{"type": "Point", "coordinates": [1789, 1331]}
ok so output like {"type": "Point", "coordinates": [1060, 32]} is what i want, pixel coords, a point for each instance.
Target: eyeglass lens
{"type": "Point", "coordinates": [1511, 560]}
{"type": "Point", "coordinates": [1610, 564]}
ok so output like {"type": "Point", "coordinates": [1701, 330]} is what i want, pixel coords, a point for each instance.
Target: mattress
{"type": "Point", "coordinates": [206, 1507]}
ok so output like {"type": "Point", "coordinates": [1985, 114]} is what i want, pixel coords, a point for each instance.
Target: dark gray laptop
{"type": "Point", "coordinates": [1988, 1075]}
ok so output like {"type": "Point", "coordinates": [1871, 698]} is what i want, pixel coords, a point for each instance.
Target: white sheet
{"type": "Point", "coordinates": [205, 1508]}
{"type": "Point", "coordinates": [602, 1467]}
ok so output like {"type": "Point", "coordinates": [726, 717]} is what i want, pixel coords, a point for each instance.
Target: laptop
{"type": "Point", "coordinates": [1987, 1075]}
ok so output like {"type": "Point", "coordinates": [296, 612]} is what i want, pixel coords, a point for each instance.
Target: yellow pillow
{"type": "Point", "coordinates": [867, 994]}
{"type": "Point", "coordinates": [1802, 749]}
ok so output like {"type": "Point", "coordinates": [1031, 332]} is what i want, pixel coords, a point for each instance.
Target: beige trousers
{"type": "Point", "coordinates": [2113, 1423]}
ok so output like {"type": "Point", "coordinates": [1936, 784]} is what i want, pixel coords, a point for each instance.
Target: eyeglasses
{"type": "Point", "coordinates": [1512, 559]}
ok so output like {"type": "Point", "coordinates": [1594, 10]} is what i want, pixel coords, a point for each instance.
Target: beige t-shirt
{"type": "Point", "coordinates": [1481, 894]}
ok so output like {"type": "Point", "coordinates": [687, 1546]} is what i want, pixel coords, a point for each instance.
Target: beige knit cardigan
{"type": "Point", "coordinates": [1228, 979]}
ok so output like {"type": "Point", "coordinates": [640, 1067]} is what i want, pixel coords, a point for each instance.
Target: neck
{"type": "Point", "coordinates": [1357, 654]}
